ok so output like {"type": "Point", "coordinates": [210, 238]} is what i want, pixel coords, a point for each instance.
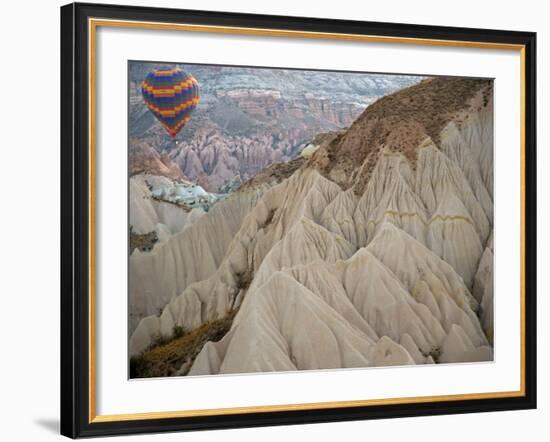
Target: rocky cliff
{"type": "Point", "coordinates": [376, 249]}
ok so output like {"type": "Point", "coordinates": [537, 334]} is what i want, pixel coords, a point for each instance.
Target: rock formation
{"type": "Point", "coordinates": [249, 118]}
{"type": "Point", "coordinates": [376, 249]}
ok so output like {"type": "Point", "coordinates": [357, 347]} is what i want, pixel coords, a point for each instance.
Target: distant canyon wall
{"type": "Point", "coordinates": [248, 119]}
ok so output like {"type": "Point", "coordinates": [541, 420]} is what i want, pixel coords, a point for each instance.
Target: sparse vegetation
{"type": "Point", "coordinates": [242, 283]}
{"type": "Point", "coordinates": [400, 122]}
{"type": "Point", "coordinates": [143, 242]}
{"type": "Point", "coordinates": [179, 204]}
{"type": "Point", "coordinates": [178, 331]}
{"type": "Point", "coordinates": [167, 356]}
{"type": "Point", "coordinates": [435, 353]}
{"type": "Point", "coordinates": [244, 279]}
{"type": "Point", "coordinates": [269, 219]}
{"type": "Point", "coordinates": [273, 173]}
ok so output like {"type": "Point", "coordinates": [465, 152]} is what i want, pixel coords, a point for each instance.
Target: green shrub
{"type": "Point", "coordinates": [178, 331]}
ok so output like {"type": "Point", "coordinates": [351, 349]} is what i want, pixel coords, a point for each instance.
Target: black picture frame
{"type": "Point", "coordinates": [76, 418]}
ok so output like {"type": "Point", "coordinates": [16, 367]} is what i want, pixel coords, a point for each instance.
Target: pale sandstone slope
{"type": "Point", "coordinates": [189, 256]}
{"type": "Point", "coordinates": [391, 266]}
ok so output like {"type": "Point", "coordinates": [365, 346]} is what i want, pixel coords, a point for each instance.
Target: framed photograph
{"type": "Point", "coordinates": [275, 220]}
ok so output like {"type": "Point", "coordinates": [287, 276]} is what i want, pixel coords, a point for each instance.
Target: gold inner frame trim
{"type": "Point", "coordinates": [93, 24]}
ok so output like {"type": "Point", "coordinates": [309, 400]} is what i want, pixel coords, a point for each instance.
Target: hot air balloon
{"type": "Point", "coordinates": [171, 95]}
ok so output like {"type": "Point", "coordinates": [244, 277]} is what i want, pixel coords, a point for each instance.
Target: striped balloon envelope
{"type": "Point", "coordinates": [171, 95]}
